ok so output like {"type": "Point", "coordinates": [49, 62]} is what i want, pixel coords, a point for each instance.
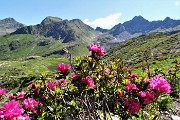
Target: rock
{"type": "Point", "coordinates": [32, 57]}
{"type": "Point", "coordinates": [174, 117]}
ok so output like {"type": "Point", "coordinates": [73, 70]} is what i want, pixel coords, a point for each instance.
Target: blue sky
{"type": "Point", "coordinates": [102, 13]}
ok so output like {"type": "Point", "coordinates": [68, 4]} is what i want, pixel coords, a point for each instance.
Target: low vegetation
{"type": "Point", "coordinates": [93, 88]}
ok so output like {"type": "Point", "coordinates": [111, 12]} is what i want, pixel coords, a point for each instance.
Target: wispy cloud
{"type": "Point", "coordinates": [106, 22]}
{"type": "Point", "coordinates": [177, 3]}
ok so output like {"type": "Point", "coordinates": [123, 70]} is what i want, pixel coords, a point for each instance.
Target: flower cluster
{"type": "Point", "coordinates": [62, 81]}
{"type": "Point", "coordinates": [63, 68]}
{"type": "Point", "coordinates": [19, 96]}
{"type": "Point", "coordinates": [147, 96]}
{"type": "Point", "coordinates": [89, 81]}
{"type": "Point", "coordinates": [132, 106]}
{"type": "Point", "coordinates": [96, 49]}
{"type": "Point", "coordinates": [11, 110]}
{"type": "Point", "coordinates": [51, 85]}
{"type": "Point", "coordinates": [30, 104]}
{"type": "Point", "coordinates": [130, 86]}
{"type": "Point", "coordinates": [160, 84]}
{"type": "Point", "coordinates": [2, 91]}
{"type": "Point", "coordinates": [132, 76]}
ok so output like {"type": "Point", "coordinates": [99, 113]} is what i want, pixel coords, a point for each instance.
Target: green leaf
{"type": "Point", "coordinates": [44, 74]}
{"type": "Point", "coordinates": [73, 103]}
{"type": "Point", "coordinates": [57, 91]}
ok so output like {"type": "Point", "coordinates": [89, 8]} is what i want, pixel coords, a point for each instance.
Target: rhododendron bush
{"type": "Point", "coordinates": [89, 88]}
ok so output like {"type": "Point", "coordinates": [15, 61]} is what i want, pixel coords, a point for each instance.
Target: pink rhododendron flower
{"type": "Point", "coordinates": [10, 110]}
{"type": "Point", "coordinates": [130, 86]}
{"type": "Point", "coordinates": [160, 84]}
{"type": "Point", "coordinates": [128, 77]}
{"type": "Point", "coordinates": [32, 86]}
{"type": "Point", "coordinates": [147, 96]}
{"type": "Point", "coordinates": [90, 82]}
{"type": "Point", "coordinates": [92, 47]}
{"type": "Point", "coordinates": [36, 91]}
{"type": "Point", "coordinates": [61, 81]}
{"type": "Point", "coordinates": [74, 75]}
{"type": "Point", "coordinates": [107, 71]}
{"type": "Point", "coordinates": [96, 49]}
{"type": "Point", "coordinates": [130, 70]}
{"type": "Point", "coordinates": [83, 80]}
{"type": "Point", "coordinates": [142, 94]}
{"type": "Point", "coordinates": [146, 80]}
{"type": "Point", "coordinates": [2, 91]}
{"type": "Point", "coordinates": [23, 117]}
{"type": "Point", "coordinates": [134, 75]}
{"type": "Point", "coordinates": [51, 85]}
{"type": "Point", "coordinates": [132, 106]}
{"type": "Point", "coordinates": [100, 51]}
{"type": "Point", "coordinates": [63, 68]}
{"type": "Point", "coordinates": [125, 68]}
{"type": "Point", "coordinates": [30, 104]}
{"type": "Point", "coordinates": [21, 95]}
{"type": "Point", "coordinates": [11, 97]}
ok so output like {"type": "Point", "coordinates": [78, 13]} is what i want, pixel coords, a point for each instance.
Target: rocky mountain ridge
{"type": "Point", "coordinates": [139, 26]}
{"type": "Point", "coordinates": [64, 30]}
{"type": "Point", "coordinates": [9, 25]}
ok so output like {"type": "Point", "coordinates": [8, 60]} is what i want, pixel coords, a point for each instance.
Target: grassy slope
{"type": "Point", "coordinates": [15, 49]}
{"type": "Point", "coordinates": [165, 48]}
{"type": "Point", "coordinates": [162, 46]}
{"type": "Point", "coordinates": [12, 73]}
{"type": "Point", "coordinates": [23, 45]}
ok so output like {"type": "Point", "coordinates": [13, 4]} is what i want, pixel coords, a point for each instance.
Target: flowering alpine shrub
{"type": "Point", "coordinates": [93, 87]}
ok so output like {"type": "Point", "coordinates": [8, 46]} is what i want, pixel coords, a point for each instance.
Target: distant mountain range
{"type": "Point", "coordinates": [54, 35]}
{"type": "Point", "coordinates": [71, 30]}
{"type": "Point", "coordinates": [9, 25]}
{"type": "Point", "coordinates": [138, 26]}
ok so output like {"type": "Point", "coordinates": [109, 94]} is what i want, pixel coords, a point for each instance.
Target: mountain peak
{"type": "Point", "coordinates": [167, 19]}
{"type": "Point", "coordinates": [9, 20]}
{"type": "Point", "coordinates": [9, 25]}
{"type": "Point", "coordinates": [139, 18]}
{"type": "Point", "coordinates": [64, 30]}
{"type": "Point", "coordinates": [50, 19]}
{"type": "Point", "coordinates": [101, 29]}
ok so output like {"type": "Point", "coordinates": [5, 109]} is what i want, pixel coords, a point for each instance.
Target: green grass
{"type": "Point", "coordinates": [13, 73]}
{"type": "Point", "coordinates": [37, 65]}
{"type": "Point", "coordinates": [163, 65]}
{"type": "Point", "coordinates": [161, 45]}
{"type": "Point", "coordinates": [21, 46]}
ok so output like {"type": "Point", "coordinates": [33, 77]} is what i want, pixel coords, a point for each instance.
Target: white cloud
{"type": "Point", "coordinates": [106, 22]}
{"type": "Point", "coordinates": [177, 3]}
